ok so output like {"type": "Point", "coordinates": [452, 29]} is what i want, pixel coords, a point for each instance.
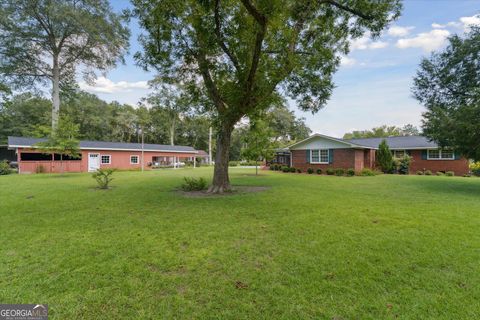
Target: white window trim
{"type": "Point", "coordinates": [109, 159]}
{"type": "Point", "coordinates": [440, 155]}
{"type": "Point", "coordinates": [320, 162]}
{"type": "Point", "coordinates": [138, 159]}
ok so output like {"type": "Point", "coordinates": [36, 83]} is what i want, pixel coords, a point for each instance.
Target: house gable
{"type": "Point", "coordinates": [322, 142]}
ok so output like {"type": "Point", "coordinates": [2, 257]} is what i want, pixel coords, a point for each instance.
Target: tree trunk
{"type": "Point", "coordinates": [55, 94]}
{"type": "Point", "coordinates": [256, 167]}
{"type": "Point", "coordinates": [221, 181]}
{"type": "Point", "coordinates": [172, 132]}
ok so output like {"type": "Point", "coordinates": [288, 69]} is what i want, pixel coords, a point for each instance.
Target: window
{"type": "Point", "coordinates": [133, 159]}
{"type": "Point", "coordinates": [399, 154]}
{"type": "Point", "coordinates": [319, 156]}
{"type": "Point", "coordinates": [438, 154]}
{"type": "Point", "coordinates": [106, 159]}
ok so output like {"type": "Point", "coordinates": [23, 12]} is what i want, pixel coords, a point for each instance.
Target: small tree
{"type": "Point", "coordinates": [384, 157]}
{"type": "Point", "coordinates": [258, 143]}
{"type": "Point", "coordinates": [103, 177]}
{"type": "Point", "coordinates": [63, 141]}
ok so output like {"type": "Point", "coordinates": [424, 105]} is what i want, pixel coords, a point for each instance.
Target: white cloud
{"type": "Point", "coordinates": [366, 43]}
{"type": "Point", "coordinates": [428, 41]}
{"type": "Point", "coordinates": [470, 21]}
{"type": "Point", "coordinates": [397, 31]}
{"type": "Point", "coordinates": [104, 85]}
{"type": "Point", "coordinates": [348, 62]}
{"type": "Point", "coordinates": [464, 22]}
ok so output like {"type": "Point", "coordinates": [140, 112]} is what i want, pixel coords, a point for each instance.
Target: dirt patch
{"type": "Point", "coordinates": [236, 190]}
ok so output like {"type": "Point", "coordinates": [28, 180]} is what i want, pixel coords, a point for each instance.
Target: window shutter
{"type": "Point", "coordinates": [308, 156]}
{"type": "Point", "coordinates": [424, 154]}
{"type": "Point", "coordinates": [457, 156]}
{"type": "Point", "coordinates": [330, 156]}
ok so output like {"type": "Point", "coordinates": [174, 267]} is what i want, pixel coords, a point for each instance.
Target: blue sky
{"type": "Point", "coordinates": [373, 84]}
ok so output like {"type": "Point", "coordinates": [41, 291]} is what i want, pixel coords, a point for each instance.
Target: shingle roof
{"type": "Point", "coordinates": [104, 145]}
{"type": "Point", "coordinates": [407, 142]}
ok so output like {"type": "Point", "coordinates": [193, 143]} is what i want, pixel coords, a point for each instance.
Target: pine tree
{"type": "Point", "coordinates": [384, 157]}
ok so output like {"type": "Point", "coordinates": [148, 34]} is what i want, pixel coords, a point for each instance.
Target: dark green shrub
{"type": "Point", "coordinates": [440, 173]}
{"type": "Point", "coordinates": [319, 171]}
{"type": "Point", "coordinates": [271, 167]}
{"type": "Point", "coordinates": [194, 184]}
{"type": "Point", "coordinates": [385, 158]}
{"type": "Point", "coordinates": [292, 169]}
{"type": "Point", "coordinates": [233, 163]}
{"type": "Point", "coordinates": [449, 173]}
{"type": "Point", "coordinates": [330, 171]}
{"type": "Point", "coordinates": [299, 170]}
{"type": "Point", "coordinates": [350, 172]}
{"type": "Point", "coordinates": [420, 172]}
{"type": "Point", "coordinates": [367, 172]}
{"type": "Point", "coordinates": [5, 168]}
{"type": "Point", "coordinates": [309, 170]}
{"type": "Point", "coordinates": [428, 172]}
{"type": "Point", "coordinates": [286, 169]}
{"type": "Point", "coordinates": [103, 177]}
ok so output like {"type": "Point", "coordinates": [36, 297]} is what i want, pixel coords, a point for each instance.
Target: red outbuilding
{"type": "Point", "coordinates": [99, 154]}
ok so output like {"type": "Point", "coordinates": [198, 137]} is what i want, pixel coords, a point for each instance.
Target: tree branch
{"type": "Point", "coordinates": [220, 38]}
{"type": "Point", "coordinates": [262, 21]}
{"type": "Point", "coordinates": [207, 78]}
{"type": "Point", "coordinates": [348, 9]}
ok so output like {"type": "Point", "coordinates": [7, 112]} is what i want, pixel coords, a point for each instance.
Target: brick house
{"type": "Point", "coordinates": [322, 152]}
{"type": "Point", "coordinates": [99, 154]}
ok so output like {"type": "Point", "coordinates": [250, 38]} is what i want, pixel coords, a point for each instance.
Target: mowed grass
{"type": "Point", "coordinates": [310, 247]}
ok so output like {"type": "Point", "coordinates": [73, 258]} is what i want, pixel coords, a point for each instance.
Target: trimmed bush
{"type": "Point", "coordinates": [194, 184]}
{"type": "Point", "coordinates": [367, 173]}
{"type": "Point", "coordinates": [286, 169]}
{"type": "Point", "coordinates": [309, 170]}
{"type": "Point", "coordinates": [271, 168]}
{"type": "Point", "coordinates": [403, 166]}
{"type": "Point", "coordinates": [350, 172]}
{"type": "Point", "coordinates": [420, 172]}
{"type": "Point", "coordinates": [428, 172]}
{"type": "Point", "coordinates": [440, 173]}
{"type": "Point", "coordinates": [339, 172]}
{"type": "Point", "coordinates": [449, 173]}
{"type": "Point", "coordinates": [103, 177]}
{"type": "Point", "coordinates": [330, 171]}
{"type": "Point", "coordinates": [292, 169]}
{"type": "Point", "coordinates": [319, 171]}
{"type": "Point", "coordinates": [5, 168]}
{"type": "Point", "coordinates": [299, 170]}
{"type": "Point", "coordinates": [233, 163]}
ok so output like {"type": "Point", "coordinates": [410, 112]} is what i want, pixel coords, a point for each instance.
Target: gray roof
{"type": "Point", "coordinates": [104, 145]}
{"type": "Point", "coordinates": [407, 142]}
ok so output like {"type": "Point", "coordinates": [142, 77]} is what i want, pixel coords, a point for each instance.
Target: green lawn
{"type": "Point", "coordinates": [310, 247]}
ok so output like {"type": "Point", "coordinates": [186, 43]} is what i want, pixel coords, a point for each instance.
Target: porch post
{"type": "Point", "coordinates": [194, 162]}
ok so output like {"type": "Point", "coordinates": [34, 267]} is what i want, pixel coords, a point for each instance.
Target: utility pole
{"type": "Point", "coordinates": [210, 146]}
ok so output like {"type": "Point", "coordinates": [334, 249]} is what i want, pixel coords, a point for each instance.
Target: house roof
{"type": "Point", "coordinates": [25, 142]}
{"type": "Point", "coordinates": [407, 142]}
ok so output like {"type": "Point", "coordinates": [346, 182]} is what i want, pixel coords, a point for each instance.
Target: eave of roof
{"type": "Point", "coordinates": [90, 145]}
{"type": "Point", "coordinates": [318, 135]}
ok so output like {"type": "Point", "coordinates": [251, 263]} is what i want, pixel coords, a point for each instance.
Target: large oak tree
{"type": "Point", "coordinates": [447, 84]}
{"type": "Point", "coordinates": [244, 53]}
{"type": "Point", "coordinates": [46, 41]}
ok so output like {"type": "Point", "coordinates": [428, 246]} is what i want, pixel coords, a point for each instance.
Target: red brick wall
{"type": "Point", "coordinates": [119, 160]}
{"type": "Point", "coordinates": [460, 167]}
{"type": "Point", "coordinates": [342, 158]}
{"type": "Point", "coordinates": [369, 158]}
